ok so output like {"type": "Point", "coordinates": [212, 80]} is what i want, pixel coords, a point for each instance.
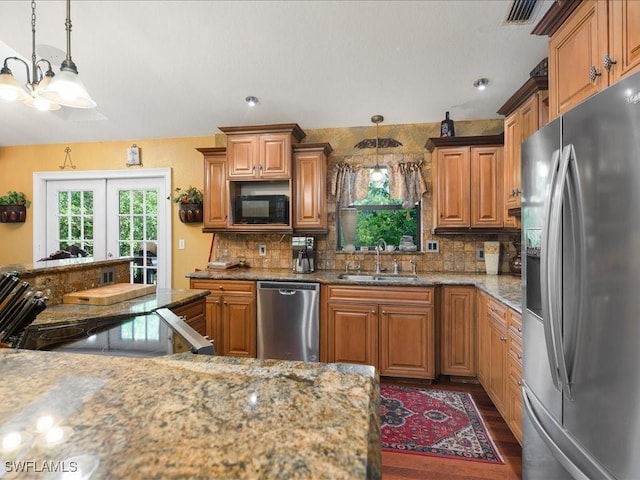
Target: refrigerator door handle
{"type": "Point", "coordinates": [546, 265]}
{"type": "Point", "coordinates": [574, 303]}
{"type": "Point", "coordinates": [555, 270]}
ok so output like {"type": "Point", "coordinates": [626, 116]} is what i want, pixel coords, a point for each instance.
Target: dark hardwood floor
{"type": "Point", "coordinates": [403, 466]}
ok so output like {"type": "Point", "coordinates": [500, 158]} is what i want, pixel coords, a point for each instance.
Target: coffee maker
{"type": "Point", "coordinates": [303, 254]}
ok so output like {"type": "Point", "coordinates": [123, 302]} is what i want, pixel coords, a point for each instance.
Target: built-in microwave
{"type": "Point", "coordinates": [261, 209]}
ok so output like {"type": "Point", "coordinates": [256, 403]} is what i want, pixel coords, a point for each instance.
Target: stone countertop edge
{"type": "Point", "coordinates": [195, 416]}
{"type": "Point", "coordinates": [61, 265]}
{"type": "Point", "coordinates": [506, 288]}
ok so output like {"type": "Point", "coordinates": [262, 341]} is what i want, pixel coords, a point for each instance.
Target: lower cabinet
{"type": "Point", "coordinates": [500, 359]}
{"type": "Point", "coordinates": [194, 315]}
{"type": "Point", "coordinates": [396, 335]}
{"type": "Point", "coordinates": [230, 315]}
{"type": "Point", "coordinates": [458, 331]}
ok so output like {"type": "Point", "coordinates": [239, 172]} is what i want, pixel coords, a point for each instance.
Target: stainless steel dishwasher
{"type": "Point", "coordinates": [289, 321]}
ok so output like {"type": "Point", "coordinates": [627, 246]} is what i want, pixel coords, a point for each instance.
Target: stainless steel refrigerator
{"type": "Point", "coordinates": [581, 291]}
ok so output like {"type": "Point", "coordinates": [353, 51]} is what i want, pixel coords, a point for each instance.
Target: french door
{"type": "Point", "coordinates": [108, 214]}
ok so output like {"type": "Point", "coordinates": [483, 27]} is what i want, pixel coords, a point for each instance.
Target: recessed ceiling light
{"type": "Point", "coordinates": [481, 83]}
{"type": "Point", "coordinates": [251, 100]}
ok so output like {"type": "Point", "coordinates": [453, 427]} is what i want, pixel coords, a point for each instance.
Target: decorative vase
{"type": "Point", "coordinates": [515, 264]}
{"type": "Point", "coordinates": [348, 221]}
{"type": "Point", "coordinates": [492, 257]}
{"type": "Point", "coordinates": [13, 214]}
{"type": "Point", "coordinates": [190, 212]}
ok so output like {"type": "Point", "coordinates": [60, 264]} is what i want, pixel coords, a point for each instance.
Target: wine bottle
{"type": "Point", "coordinates": [446, 127]}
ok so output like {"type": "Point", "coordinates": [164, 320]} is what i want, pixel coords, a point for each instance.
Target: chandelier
{"type": "Point", "coordinates": [46, 91]}
{"type": "Point", "coordinates": [377, 174]}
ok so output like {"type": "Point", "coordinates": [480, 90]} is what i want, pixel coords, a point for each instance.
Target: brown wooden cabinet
{"type": "Point", "coordinates": [231, 315]}
{"type": "Point", "coordinates": [396, 335]}
{"type": "Point", "coordinates": [310, 187]}
{"type": "Point", "coordinates": [526, 111]}
{"type": "Point", "coordinates": [467, 180]}
{"type": "Point", "coordinates": [261, 152]}
{"type": "Point", "coordinates": [216, 193]}
{"type": "Point", "coordinates": [500, 358]}
{"type": "Point", "coordinates": [458, 331]}
{"type": "Point", "coordinates": [593, 44]}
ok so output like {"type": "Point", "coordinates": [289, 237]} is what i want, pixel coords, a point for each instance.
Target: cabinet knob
{"type": "Point", "coordinates": [519, 329]}
{"type": "Point", "coordinates": [593, 74]}
{"type": "Point", "coordinates": [518, 191]}
{"type": "Point", "coordinates": [220, 287]}
{"type": "Point", "coordinates": [224, 302]}
{"type": "Point", "coordinates": [384, 312]}
{"type": "Point", "coordinates": [519, 357]}
{"type": "Point", "coordinates": [503, 339]}
{"type": "Point", "coordinates": [519, 383]}
{"type": "Point", "coordinates": [374, 312]}
{"type": "Point", "coordinates": [608, 62]}
{"type": "Point", "coordinates": [217, 302]}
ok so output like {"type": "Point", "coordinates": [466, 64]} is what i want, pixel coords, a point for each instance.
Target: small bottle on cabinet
{"type": "Point", "coordinates": [446, 127]}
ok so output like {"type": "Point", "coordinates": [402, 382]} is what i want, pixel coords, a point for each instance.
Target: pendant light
{"type": "Point", "coordinates": [377, 174]}
{"type": "Point", "coordinates": [66, 88]}
{"type": "Point", "coordinates": [11, 90]}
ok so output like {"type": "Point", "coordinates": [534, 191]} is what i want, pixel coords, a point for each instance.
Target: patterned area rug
{"type": "Point", "coordinates": [434, 422]}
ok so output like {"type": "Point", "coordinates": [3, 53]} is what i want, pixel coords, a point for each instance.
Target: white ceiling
{"type": "Point", "coordinates": [183, 68]}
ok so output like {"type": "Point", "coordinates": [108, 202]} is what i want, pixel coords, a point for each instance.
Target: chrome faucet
{"type": "Point", "coordinates": [382, 245]}
{"type": "Point", "coordinates": [396, 267]}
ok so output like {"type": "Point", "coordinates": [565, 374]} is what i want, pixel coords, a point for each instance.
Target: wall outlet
{"type": "Point", "coordinates": [107, 276]}
{"type": "Point", "coordinates": [479, 254]}
{"type": "Point", "coordinates": [262, 250]}
{"type": "Point", "coordinates": [432, 246]}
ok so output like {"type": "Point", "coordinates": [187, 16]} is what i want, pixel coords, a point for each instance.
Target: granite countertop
{"type": "Point", "coordinates": [506, 288]}
{"type": "Point", "coordinates": [60, 265]}
{"type": "Point", "coordinates": [190, 416]}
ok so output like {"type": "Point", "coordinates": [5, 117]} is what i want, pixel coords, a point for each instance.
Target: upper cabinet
{"type": "Point", "coordinates": [467, 174]}
{"type": "Point", "coordinates": [310, 187]}
{"type": "Point", "coordinates": [593, 44]}
{"type": "Point", "coordinates": [216, 198]}
{"type": "Point", "coordinates": [260, 166]}
{"type": "Point", "coordinates": [526, 111]}
{"type": "Point", "coordinates": [261, 152]}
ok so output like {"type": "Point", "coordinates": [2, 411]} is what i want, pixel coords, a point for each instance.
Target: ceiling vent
{"type": "Point", "coordinates": [521, 12]}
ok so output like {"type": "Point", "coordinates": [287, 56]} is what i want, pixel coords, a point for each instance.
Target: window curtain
{"type": "Point", "coordinates": [349, 183]}
{"type": "Point", "coordinates": [406, 181]}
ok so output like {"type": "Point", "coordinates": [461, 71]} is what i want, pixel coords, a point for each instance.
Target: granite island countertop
{"type": "Point", "coordinates": [506, 288]}
{"type": "Point", "coordinates": [191, 416]}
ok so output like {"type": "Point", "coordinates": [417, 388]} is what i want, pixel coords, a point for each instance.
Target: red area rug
{"type": "Point", "coordinates": [434, 422]}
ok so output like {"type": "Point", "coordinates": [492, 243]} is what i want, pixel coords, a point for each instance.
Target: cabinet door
{"type": "Point", "coordinates": [242, 156]}
{"type": "Point", "coordinates": [310, 191]}
{"type": "Point", "coordinates": [486, 187]}
{"type": "Point", "coordinates": [512, 151]}
{"type": "Point", "coordinates": [497, 382]}
{"type": "Point", "coordinates": [483, 339]}
{"type": "Point", "coordinates": [575, 50]}
{"type": "Point", "coordinates": [352, 333]}
{"type": "Point", "coordinates": [216, 197]}
{"type": "Point", "coordinates": [274, 157]}
{"type": "Point", "coordinates": [458, 343]}
{"type": "Point", "coordinates": [452, 187]}
{"type": "Point", "coordinates": [239, 326]}
{"type": "Point", "coordinates": [406, 341]}
{"type": "Point", "coordinates": [624, 36]}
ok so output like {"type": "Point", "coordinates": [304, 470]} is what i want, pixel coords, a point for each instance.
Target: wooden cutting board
{"type": "Point", "coordinates": [109, 294]}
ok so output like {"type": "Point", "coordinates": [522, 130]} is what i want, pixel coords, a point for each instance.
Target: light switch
{"type": "Point", "coordinates": [181, 244]}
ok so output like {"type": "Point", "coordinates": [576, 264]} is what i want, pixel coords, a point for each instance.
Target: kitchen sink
{"type": "Point", "coordinates": [355, 277]}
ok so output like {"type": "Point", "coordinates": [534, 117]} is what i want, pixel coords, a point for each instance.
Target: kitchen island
{"type": "Point", "coordinates": [189, 416]}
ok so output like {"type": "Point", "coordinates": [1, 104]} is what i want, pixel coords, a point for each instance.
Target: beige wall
{"type": "Point", "coordinates": [18, 164]}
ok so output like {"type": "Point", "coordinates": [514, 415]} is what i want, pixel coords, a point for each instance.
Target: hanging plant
{"type": "Point", "coordinates": [13, 207]}
{"type": "Point", "coordinates": [189, 204]}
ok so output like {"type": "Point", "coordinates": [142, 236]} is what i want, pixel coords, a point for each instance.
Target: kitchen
{"type": "Point", "coordinates": [456, 253]}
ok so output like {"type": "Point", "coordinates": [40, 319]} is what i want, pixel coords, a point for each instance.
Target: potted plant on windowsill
{"type": "Point", "coordinates": [13, 207]}
{"type": "Point", "coordinates": [189, 204]}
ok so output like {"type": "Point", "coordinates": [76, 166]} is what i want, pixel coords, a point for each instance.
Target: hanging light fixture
{"type": "Point", "coordinates": [377, 174]}
{"type": "Point", "coordinates": [11, 90]}
{"type": "Point", "coordinates": [66, 88]}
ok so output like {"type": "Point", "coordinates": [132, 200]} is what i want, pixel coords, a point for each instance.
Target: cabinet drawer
{"type": "Point", "coordinates": [497, 310]}
{"type": "Point", "coordinates": [515, 324]}
{"type": "Point", "coordinates": [191, 310]}
{"type": "Point", "coordinates": [225, 286]}
{"type": "Point", "coordinates": [515, 351]}
{"type": "Point", "coordinates": [515, 373]}
{"type": "Point", "coordinates": [388, 295]}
